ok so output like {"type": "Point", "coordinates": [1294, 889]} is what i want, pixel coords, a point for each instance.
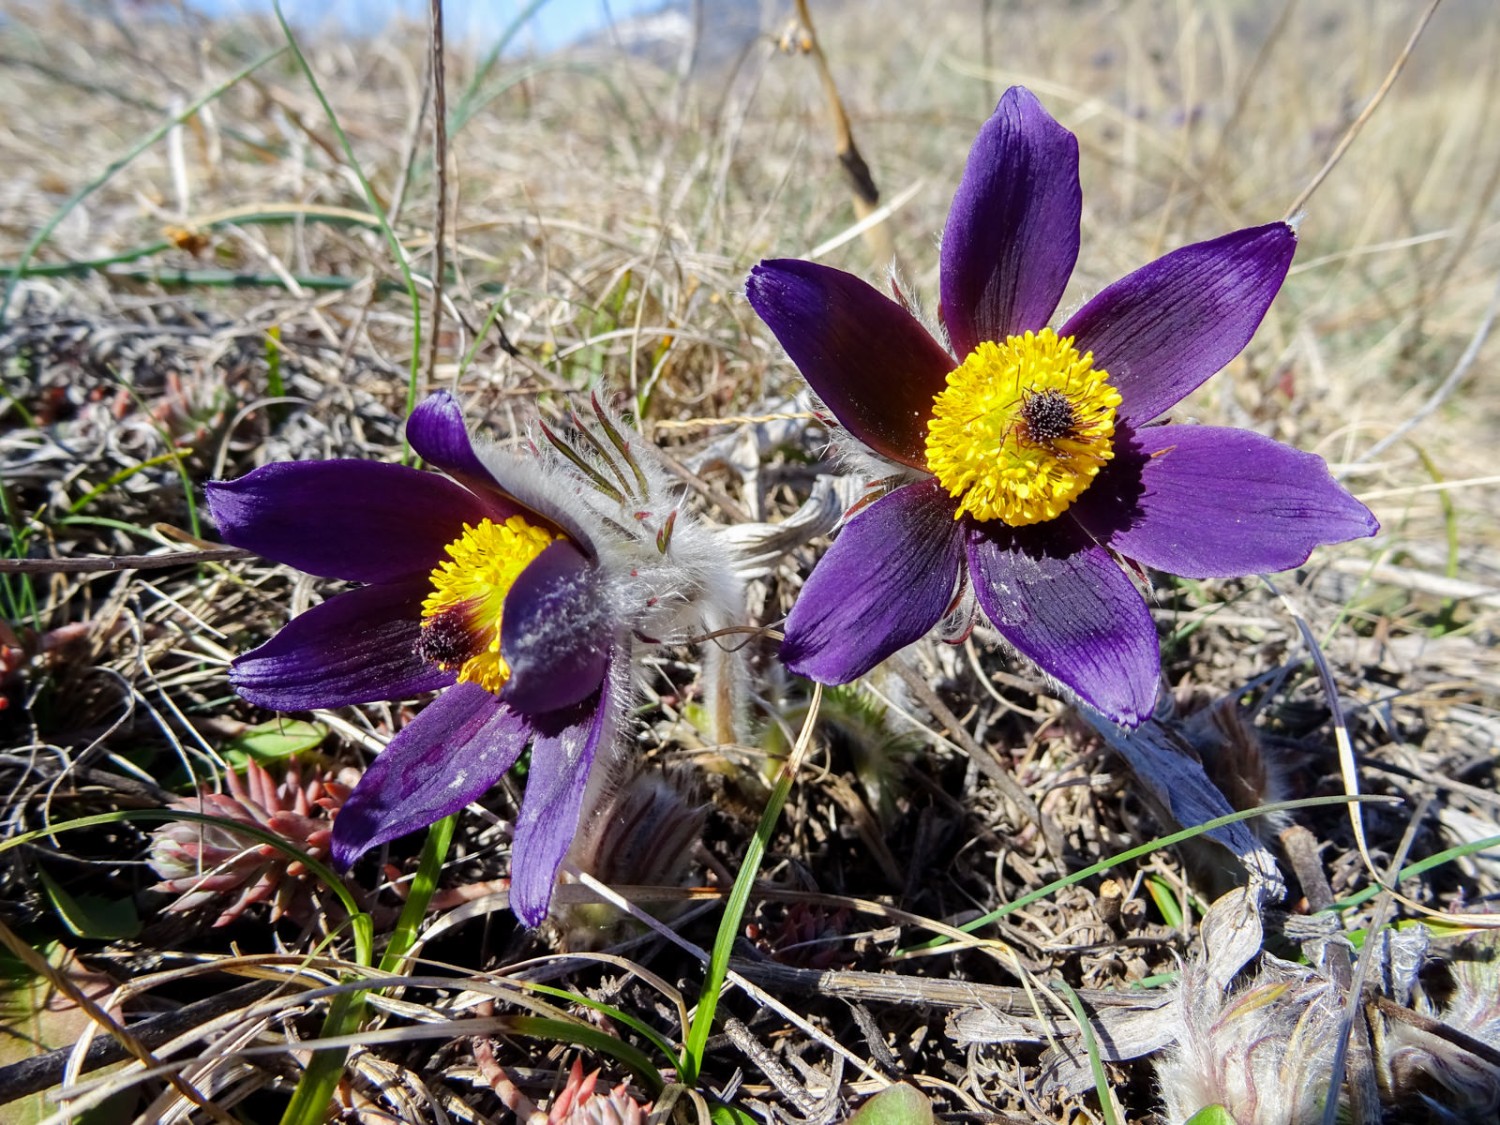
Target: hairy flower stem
{"type": "Point", "coordinates": [725, 683]}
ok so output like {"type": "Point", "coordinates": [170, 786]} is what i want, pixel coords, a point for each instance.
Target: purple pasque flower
{"type": "Point", "coordinates": [515, 583]}
{"type": "Point", "coordinates": [1034, 459]}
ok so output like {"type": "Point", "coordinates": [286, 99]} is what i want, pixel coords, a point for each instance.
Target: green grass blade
{"type": "Point", "coordinates": [363, 931]}
{"type": "Point", "coordinates": [398, 252]}
{"type": "Point", "coordinates": [1450, 530]}
{"type": "Point", "coordinates": [619, 1015]}
{"type": "Point", "coordinates": [1135, 853]}
{"type": "Point", "coordinates": [734, 911]}
{"type": "Point", "coordinates": [116, 165]}
{"type": "Point", "coordinates": [567, 1031]}
{"type": "Point", "coordinates": [275, 384]}
{"type": "Point", "coordinates": [1359, 898]}
{"type": "Point", "coordinates": [1096, 1063]}
{"type": "Point", "coordinates": [125, 474]}
{"type": "Point", "coordinates": [310, 1100]}
{"type": "Point", "coordinates": [479, 338]}
{"type": "Point", "coordinates": [739, 895]}
{"type": "Point", "coordinates": [423, 884]}
{"type": "Point", "coordinates": [19, 590]}
{"type": "Point", "coordinates": [468, 100]}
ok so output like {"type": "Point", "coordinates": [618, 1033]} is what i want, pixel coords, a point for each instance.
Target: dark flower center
{"type": "Point", "coordinates": [1049, 415]}
{"type": "Point", "coordinates": [448, 638]}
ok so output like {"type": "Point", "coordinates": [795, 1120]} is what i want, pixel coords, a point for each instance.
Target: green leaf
{"type": "Point", "coordinates": [91, 916]}
{"type": "Point", "coordinates": [895, 1105]}
{"type": "Point", "coordinates": [1165, 896]}
{"type": "Point", "coordinates": [724, 1114]}
{"type": "Point", "coordinates": [1211, 1115]}
{"type": "Point", "coordinates": [279, 738]}
{"type": "Point", "coordinates": [36, 1018]}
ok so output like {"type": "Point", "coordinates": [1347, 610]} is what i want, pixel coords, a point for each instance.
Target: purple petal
{"type": "Point", "coordinates": [887, 580]}
{"type": "Point", "coordinates": [1066, 605]}
{"type": "Point", "coordinates": [362, 521]}
{"type": "Point", "coordinates": [867, 358]}
{"type": "Point", "coordinates": [437, 432]}
{"type": "Point", "coordinates": [556, 632]}
{"type": "Point", "coordinates": [1012, 233]}
{"type": "Point", "coordinates": [1214, 502]}
{"type": "Point", "coordinates": [357, 647]}
{"type": "Point", "coordinates": [1163, 330]}
{"type": "Point", "coordinates": [446, 757]}
{"type": "Point", "coordinates": [561, 757]}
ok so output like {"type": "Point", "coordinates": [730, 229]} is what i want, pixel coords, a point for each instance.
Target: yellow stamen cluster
{"type": "Point", "coordinates": [1022, 428]}
{"type": "Point", "coordinates": [461, 617]}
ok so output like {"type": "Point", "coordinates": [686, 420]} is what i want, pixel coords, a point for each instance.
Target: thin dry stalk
{"type": "Point", "coordinates": [1365, 114]}
{"type": "Point", "coordinates": [865, 194]}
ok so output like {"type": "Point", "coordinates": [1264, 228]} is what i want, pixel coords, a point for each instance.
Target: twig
{"type": "Point", "coordinates": [1448, 385]}
{"type": "Point", "coordinates": [1353, 1045]}
{"type": "Point", "coordinates": [121, 562]}
{"type": "Point", "coordinates": [1418, 581]}
{"type": "Point", "coordinates": [783, 1079]}
{"type": "Point", "coordinates": [1359, 122]}
{"type": "Point", "coordinates": [927, 992]}
{"type": "Point", "coordinates": [866, 194]}
{"type": "Point", "coordinates": [730, 420]}
{"type": "Point", "coordinates": [31, 1076]}
{"type": "Point", "coordinates": [716, 496]}
{"type": "Point", "coordinates": [1301, 848]}
{"type": "Point", "coordinates": [1476, 1047]}
{"type": "Point", "coordinates": [440, 160]}
{"type": "Point", "coordinates": [873, 219]}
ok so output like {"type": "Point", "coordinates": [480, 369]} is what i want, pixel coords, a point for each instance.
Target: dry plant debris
{"type": "Point", "coordinates": [226, 298]}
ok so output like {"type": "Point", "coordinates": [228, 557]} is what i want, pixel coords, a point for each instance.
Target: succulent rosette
{"type": "Point", "coordinates": [1024, 461]}
{"type": "Point", "coordinates": [215, 865]}
{"type": "Point", "coordinates": [514, 584]}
